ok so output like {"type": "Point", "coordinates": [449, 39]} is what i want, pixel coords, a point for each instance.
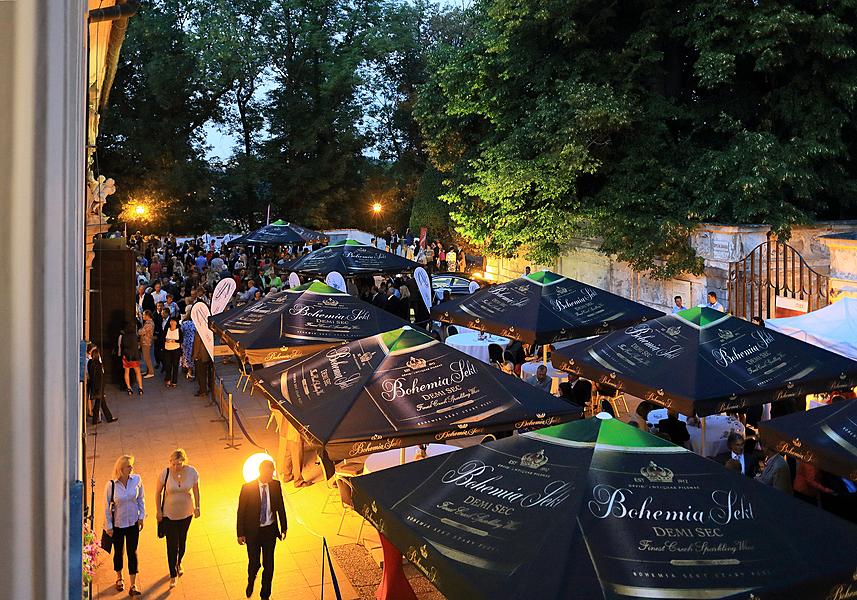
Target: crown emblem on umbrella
{"type": "Point", "coordinates": [673, 331]}
{"type": "Point", "coordinates": [330, 302]}
{"type": "Point", "coordinates": [416, 363]}
{"type": "Point", "coordinates": [424, 551]}
{"type": "Point", "coordinates": [377, 437]}
{"type": "Point", "coordinates": [540, 415]}
{"type": "Point", "coordinates": [534, 460]}
{"type": "Point", "coordinates": [725, 335]}
{"type": "Point", "coordinates": [656, 474]}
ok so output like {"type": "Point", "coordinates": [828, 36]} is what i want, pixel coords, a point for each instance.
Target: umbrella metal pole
{"type": "Point", "coordinates": [545, 354]}
{"type": "Point", "coordinates": [702, 437]}
{"type": "Point", "coordinates": [402, 456]}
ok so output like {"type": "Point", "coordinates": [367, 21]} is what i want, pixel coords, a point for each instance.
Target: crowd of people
{"type": "Point", "coordinates": [435, 256]}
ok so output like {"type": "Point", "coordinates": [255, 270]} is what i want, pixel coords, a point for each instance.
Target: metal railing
{"type": "Point", "coordinates": [222, 398]}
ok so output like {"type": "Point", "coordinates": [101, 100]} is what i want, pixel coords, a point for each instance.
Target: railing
{"type": "Point", "coordinates": [222, 398]}
{"type": "Point", "coordinates": [774, 269]}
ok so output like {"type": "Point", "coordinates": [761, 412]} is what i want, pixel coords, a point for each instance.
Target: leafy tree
{"type": "Point", "coordinates": [636, 121]}
{"type": "Point", "coordinates": [429, 210]}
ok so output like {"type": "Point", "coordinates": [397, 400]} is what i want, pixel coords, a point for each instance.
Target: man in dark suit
{"type": "Point", "coordinates": [261, 521]}
{"type": "Point", "coordinates": [676, 429]}
{"type": "Point", "coordinates": [739, 452]}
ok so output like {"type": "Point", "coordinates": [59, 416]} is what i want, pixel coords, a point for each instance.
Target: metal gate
{"type": "Point", "coordinates": [774, 269]}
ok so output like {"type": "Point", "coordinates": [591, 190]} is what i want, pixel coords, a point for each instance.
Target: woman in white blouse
{"type": "Point", "coordinates": [176, 508]}
{"type": "Point", "coordinates": [125, 509]}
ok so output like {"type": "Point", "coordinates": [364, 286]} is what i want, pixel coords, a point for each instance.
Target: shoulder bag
{"type": "Point", "coordinates": [106, 540]}
{"type": "Point", "coordinates": [162, 526]}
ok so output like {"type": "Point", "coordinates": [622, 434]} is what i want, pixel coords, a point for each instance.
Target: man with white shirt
{"type": "Point", "coordinates": [261, 522]}
{"type": "Point", "coordinates": [158, 295]}
{"type": "Point", "coordinates": [713, 303]}
{"type": "Point", "coordinates": [748, 460]}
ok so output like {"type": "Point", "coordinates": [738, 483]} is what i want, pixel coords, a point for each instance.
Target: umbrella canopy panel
{"type": "Point", "coordinates": [299, 321]}
{"type": "Point", "coordinates": [597, 509]}
{"type": "Point", "coordinates": [280, 233]}
{"type": "Point", "coordinates": [833, 327]}
{"type": "Point", "coordinates": [702, 361]}
{"type": "Point", "coordinates": [402, 388]}
{"type": "Point", "coordinates": [825, 437]}
{"type": "Point", "coordinates": [544, 307]}
{"type": "Point", "coordinates": [350, 257]}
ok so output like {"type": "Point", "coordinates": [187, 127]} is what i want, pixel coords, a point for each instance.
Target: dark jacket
{"type": "Point", "coordinates": [199, 353]}
{"type": "Point", "coordinates": [130, 346]}
{"type": "Point", "coordinates": [149, 303]}
{"type": "Point", "coordinates": [676, 429]}
{"type": "Point", "coordinates": [95, 371]}
{"type": "Point", "coordinates": [751, 461]}
{"type": "Point", "coordinates": [250, 508]}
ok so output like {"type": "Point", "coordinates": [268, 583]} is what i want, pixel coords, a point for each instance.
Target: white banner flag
{"type": "Point", "coordinates": [336, 280]}
{"type": "Point", "coordinates": [424, 285]}
{"type": "Point", "coordinates": [294, 280]}
{"type": "Point", "coordinates": [222, 295]}
{"type": "Point", "coordinates": [199, 314]}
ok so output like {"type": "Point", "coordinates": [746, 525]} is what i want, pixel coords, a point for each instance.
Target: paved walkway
{"type": "Point", "coordinates": [152, 426]}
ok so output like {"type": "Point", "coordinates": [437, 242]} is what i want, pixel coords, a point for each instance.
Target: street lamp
{"type": "Point", "coordinates": [376, 208]}
{"type": "Point", "coordinates": [140, 210]}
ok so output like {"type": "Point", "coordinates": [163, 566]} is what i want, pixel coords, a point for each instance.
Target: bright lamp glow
{"type": "Point", "coordinates": [376, 208]}
{"type": "Point", "coordinates": [251, 466]}
{"type": "Point", "coordinates": [140, 210]}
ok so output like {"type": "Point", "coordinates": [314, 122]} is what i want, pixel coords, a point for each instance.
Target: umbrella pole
{"type": "Point", "coordinates": [402, 456]}
{"type": "Point", "coordinates": [703, 436]}
{"type": "Point", "coordinates": [545, 354]}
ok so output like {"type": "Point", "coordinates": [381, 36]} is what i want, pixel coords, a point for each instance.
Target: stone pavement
{"type": "Point", "coordinates": [153, 425]}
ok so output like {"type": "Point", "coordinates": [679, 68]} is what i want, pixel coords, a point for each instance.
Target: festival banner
{"type": "Point", "coordinates": [222, 295]}
{"type": "Point", "coordinates": [597, 509]}
{"type": "Point", "coordinates": [424, 285]}
{"type": "Point", "coordinates": [335, 280]}
{"type": "Point", "coordinates": [400, 388]}
{"type": "Point", "coordinates": [702, 361]}
{"type": "Point", "coordinates": [542, 308]}
{"type": "Point", "coordinates": [294, 280]}
{"type": "Point", "coordinates": [199, 314]}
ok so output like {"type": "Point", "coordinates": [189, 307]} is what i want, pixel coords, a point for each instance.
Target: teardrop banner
{"type": "Point", "coordinates": [294, 280]}
{"type": "Point", "coordinates": [199, 314]}
{"type": "Point", "coordinates": [222, 294]}
{"type": "Point", "coordinates": [424, 285]}
{"type": "Point", "coordinates": [335, 280]}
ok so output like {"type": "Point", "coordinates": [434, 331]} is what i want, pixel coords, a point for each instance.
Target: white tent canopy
{"type": "Point", "coordinates": [833, 327]}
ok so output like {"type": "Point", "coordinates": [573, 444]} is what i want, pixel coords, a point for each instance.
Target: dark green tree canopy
{"type": "Point", "coordinates": [635, 121]}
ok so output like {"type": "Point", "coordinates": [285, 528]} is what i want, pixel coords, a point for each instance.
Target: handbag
{"type": "Point", "coordinates": [106, 540]}
{"type": "Point", "coordinates": [162, 526]}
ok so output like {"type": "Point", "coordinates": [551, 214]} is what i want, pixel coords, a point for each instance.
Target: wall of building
{"type": "Point", "coordinates": [42, 141]}
{"type": "Point", "coordinates": [718, 245]}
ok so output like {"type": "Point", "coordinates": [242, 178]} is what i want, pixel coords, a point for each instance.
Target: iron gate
{"type": "Point", "coordinates": [774, 269]}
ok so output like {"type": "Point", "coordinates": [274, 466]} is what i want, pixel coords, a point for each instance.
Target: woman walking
{"type": "Point", "coordinates": [147, 338]}
{"type": "Point", "coordinates": [124, 511]}
{"type": "Point", "coordinates": [129, 347]}
{"type": "Point", "coordinates": [176, 508]}
{"type": "Point", "coordinates": [172, 352]}
{"type": "Point", "coordinates": [188, 333]}
{"type": "Point", "coordinates": [95, 371]}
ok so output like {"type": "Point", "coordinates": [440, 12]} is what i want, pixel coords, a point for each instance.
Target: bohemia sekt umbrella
{"type": "Point", "coordinates": [542, 308]}
{"type": "Point", "coordinates": [280, 233]}
{"type": "Point", "coordinates": [402, 388]}
{"type": "Point", "coordinates": [598, 509]}
{"type": "Point", "coordinates": [299, 321]}
{"type": "Point", "coordinates": [350, 258]}
{"type": "Point", "coordinates": [702, 361]}
{"type": "Point", "coordinates": [825, 437]}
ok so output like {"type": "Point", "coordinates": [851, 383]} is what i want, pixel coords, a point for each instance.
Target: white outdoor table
{"type": "Point", "coordinates": [469, 343]}
{"type": "Point", "coordinates": [557, 376]}
{"type": "Point", "coordinates": [717, 430]}
{"type": "Point", "coordinates": [391, 458]}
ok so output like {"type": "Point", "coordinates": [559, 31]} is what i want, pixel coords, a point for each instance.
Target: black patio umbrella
{"type": "Point", "coordinates": [282, 233]}
{"type": "Point", "coordinates": [298, 322]}
{"type": "Point", "coordinates": [398, 389]}
{"type": "Point", "coordinates": [825, 437]}
{"type": "Point", "coordinates": [702, 361]}
{"type": "Point", "coordinates": [598, 509]}
{"type": "Point", "coordinates": [542, 308]}
{"type": "Point", "coordinates": [349, 258]}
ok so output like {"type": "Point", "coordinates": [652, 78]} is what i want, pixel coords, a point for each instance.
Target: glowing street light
{"type": "Point", "coordinates": [140, 210]}
{"type": "Point", "coordinates": [376, 208]}
{"type": "Point", "coordinates": [251, 466]}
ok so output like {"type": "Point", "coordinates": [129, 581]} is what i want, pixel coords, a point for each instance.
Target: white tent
{"type": "Point", "coordinates": [833, 327]}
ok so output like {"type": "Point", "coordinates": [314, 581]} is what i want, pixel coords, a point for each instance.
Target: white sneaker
{"type": "Point", "coordinates": [148, 375]}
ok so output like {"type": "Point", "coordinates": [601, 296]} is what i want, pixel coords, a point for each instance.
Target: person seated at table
{"type": "Point", "coordinates": [740, 453]}
{"type": "Point", "coordinates": [676, 429]}
{"type": "Point", "coordinates": [577, 392]}
{"type": "Point", "coordinates": [540, 379]}
{"type": "Point", "coordinates": [507, 357]}
{"type": "Point", "coordinates": [495, 355]}
{"type": "Point", "coordinates": [516, 351]}
{"type": "Point", "coordinates": [508, 367]}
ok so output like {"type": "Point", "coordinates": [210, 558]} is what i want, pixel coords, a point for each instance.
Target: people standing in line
{"type": "Point", "coordinates": [124, 512]}
{"type": "Point", "coordinates": [147, 339]}
{"type": "Point", "coordinates": [261, 522]}
{"type": "Point", "coordinates": [176, 508]}
{"type": "Point", "coordinates": [129, 349]}
{"type": "Point", "coordinates": [188, 328]}
{"type": "Point", "coordinates": [172, 352]}
{"type": "Point", "coordinates": [95, 372]}
{"type": "Point", "coordinates": [678, 304]}
{"type": "Point", "coordinates": [158, 320]}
